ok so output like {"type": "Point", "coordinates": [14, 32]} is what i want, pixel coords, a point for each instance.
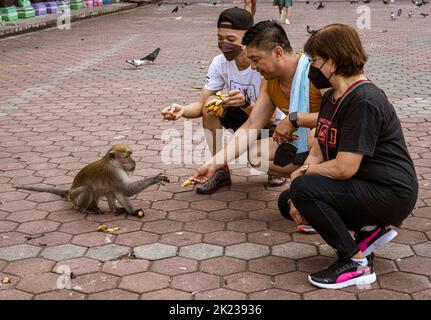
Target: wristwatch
{"type": "Point", "coordinates": [247, 102]}
{"type": "Point", "coordinates": [293, 118]}
{"type": "Point", "coordinates": [304, 168]}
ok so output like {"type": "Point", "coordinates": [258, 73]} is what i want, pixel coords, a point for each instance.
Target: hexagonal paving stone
{"type": "Point", "coordinates": [327, 251]}
{"type": "Point", "coordinates": [126, 267]}
{"type": "Point", "coordinates": [174, 266]}
{"type": "Point", "coordinates": [63, 252]}
{"type": "Point", "coordinates": [271, 265]}
{"type": "Point", "coordinates": [51, 239]}
{"type": "Point", "coordinates": [220, 294]}
{"type": "Point", "coordinates": [329, 295]}
{"type": "Point", "coordinates": [418, 265]}
{"type": "Point", "coordinates": [38, 284]}
{"type": "Point", "coordinates": [181, 238]}
{"type": "Point", "coordinates": [247, 282]}
{"type": "Point", "coordinates": [11, 238]}
{"type": "Point", "coordinates": [201, 251]}
{"type": "Point", "coordinates": [93, 239]}
{"type": "Point", "coordinates": [167, 294]}
{"type": "Point", "coordinates": [79, 227]}
{"type": "Point", "coordinates": [161, 227]}
{"type": "Point", "coordinates": [94, 282]}
{"type": "Point", "coordinates": [107, 252]}
{"type": "Point", "coordinates": [246, 225]}
{"type": "Point", "coordinates": [247, 205]}
{"type": "Point", "coordinates": [294, 281]}
{"type": "Point", "coordinates": [223, 266]}
{"type": "Point", "coordinates": [7, 226]}
{"type": "Point", "coordinates": [225, 238]}
{"type": "Point", "coordinates": [38, 227]}
{"type": "Point", "coordinates": [78, 266]}
{"type": "Point", "coordinates": [204, 226]}
{"type": "Point", "coordinates": [383, 294]}
{"type": "Point", "coordinates": [114, 295]}
{"type": "Point", "coordinates": [196, 281]}
{"type": "Point", "coordinates": [274, 294]}
{"type": "Point", "coordinates": [17, 252]}
{"type": "Point", "coordinates": [314, 264]}
{"type": "Point", "coordinates": [404, 282]}
{"type": "Point", "coordinates": [247, 251]}
{"type": "Point", "coordinates": [269, 237]}
{"type": "Point", "coordinates": [208, 205]}
{"type": "Point", "coordinates": [294, 250]}
{"type": "Point", "coordinates": [137, 238]}
{"type": "Point", "coordinates": [423, 249]}
{"type": "Point", "coordinates": [170, 205]}
{"type": "Point", "coordinates": [144, 282]}
{"type": "Point", "coordinates": [29, 266]}
{"type": "Point", "coordinates": [422, 295]}
{"type": "Point", "coordinates": [227, 215]}
{"type": "Point", "coordinates": [394, 251]}
{"type": "Point", "coordinates": [13, 294]}
{"type": "Point", "coordinates": [187, 215]}
{"type": "Point", "coordinates": [155, 251]}
{"type": "Point", "coordinates": [27, 215]}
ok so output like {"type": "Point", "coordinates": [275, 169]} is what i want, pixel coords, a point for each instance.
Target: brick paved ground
{"type": "Point", "coordinates": [66, 96]}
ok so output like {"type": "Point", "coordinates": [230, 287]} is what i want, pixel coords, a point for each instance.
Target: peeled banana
{"type": "Point", "coordinates": [187, 183]}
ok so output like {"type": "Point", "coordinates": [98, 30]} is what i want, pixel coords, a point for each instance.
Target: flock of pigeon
{"type": "Point", "coordinates": [394, 15]}
{"type": "Point", "coordinates": [153, 55]}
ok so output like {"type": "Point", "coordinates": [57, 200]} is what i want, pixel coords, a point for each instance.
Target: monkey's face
{"type": "Point", "coordinates": [122, 156]}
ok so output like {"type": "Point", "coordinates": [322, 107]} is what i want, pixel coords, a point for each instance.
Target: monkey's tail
{"type": "Point", "coordinates": [61, 192]}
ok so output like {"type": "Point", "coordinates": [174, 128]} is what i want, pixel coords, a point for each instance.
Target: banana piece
{"type": "Point", "coordinates": [187, 183]}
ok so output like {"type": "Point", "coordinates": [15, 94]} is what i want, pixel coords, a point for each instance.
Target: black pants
{"type": "Point", "coordinates": [333, 207]}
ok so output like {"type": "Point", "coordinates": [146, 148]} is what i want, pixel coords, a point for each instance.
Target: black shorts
{"type": "Point", "coordinates": [234, 118]}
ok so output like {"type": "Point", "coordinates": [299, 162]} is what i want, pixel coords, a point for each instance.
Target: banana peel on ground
{"type": "Point", "coordinates": [6, 280]}
{"type": "Point", "coordinates": [105, 228]}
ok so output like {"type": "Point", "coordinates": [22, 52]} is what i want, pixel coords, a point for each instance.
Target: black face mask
{"type": "Point", "coordinates": [230, 50]}
{"type": "Point", "coordinates": [285, 154]}
{"type": "Point", "coordinates": [318, 79]}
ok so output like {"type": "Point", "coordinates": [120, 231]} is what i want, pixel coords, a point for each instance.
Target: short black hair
{"type": "Point", "coordinates": [267, 35]}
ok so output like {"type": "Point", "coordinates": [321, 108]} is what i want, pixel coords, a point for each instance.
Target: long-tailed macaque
{"type": "Point", "coordinates": [107, 177]}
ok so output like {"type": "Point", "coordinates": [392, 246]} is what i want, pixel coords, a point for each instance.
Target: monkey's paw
{"type": "Point", "coordinates": [139, 212]}
{"type": "Point", "coordinates": [161, 179]}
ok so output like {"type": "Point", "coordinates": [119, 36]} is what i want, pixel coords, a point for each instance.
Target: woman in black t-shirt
{"type": "Point", "coordinates": [359, 175]}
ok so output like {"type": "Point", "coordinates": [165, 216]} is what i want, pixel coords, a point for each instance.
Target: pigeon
{"type": "Point", "coordinates": [410, 13]}
{"type": "Point", "coordinates": [366, 1]}
{"type": "Point", "coordinates": [175, 9]}
{"type": "Point", "coordinates": [354, 1]}
{"type": "Point", "coordinates": [392, 15]}
{"type": "Point", "coordinates": [185, 4]}
{"type": "Point", "coordinates": [152, 56]}
{"type": "Point", "coordinates": [419, 4]}
{"type": "Point", "coordinates": [310, 30]}
{"type": "Point", "coordinates": [424, 14]}
{"type": "Point", "coordinates": [136, 62]}
{"type": "Point", "coordinates": [386, 1]}
{"type": "Point", "coordinates": [399, 12]}
{"type": "Point", "coordinates": [140, 62]}
{"type": "Point", "coordinates": [321, 6]}
{"type": "Point", "coordinates": [307, 2]}
{"type": "Point", "coordinates": [214, 3]}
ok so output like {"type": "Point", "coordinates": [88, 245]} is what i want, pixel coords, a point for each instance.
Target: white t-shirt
{"type": "Point", "coordinates": [223, 73]}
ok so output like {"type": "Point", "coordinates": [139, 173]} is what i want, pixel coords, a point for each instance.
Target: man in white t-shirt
{"type": "Point", "coordinates": [232, 70]}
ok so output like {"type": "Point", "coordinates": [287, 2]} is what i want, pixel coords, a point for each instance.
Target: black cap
{"type": "Point", "coordinates": [235, 18]}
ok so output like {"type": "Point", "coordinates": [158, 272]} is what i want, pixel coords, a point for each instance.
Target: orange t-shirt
{"type": "Point", "coordinates": [282, 101]}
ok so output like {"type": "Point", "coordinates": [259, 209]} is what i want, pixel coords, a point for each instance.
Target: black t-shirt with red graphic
{"type": "Point", "coordinates": [366, 122]}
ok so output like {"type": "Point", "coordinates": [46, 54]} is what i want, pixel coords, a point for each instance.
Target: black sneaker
{"type": "Point", "coordinates": [369, 240]}
{"type": "Point", "coordinates": [220, 179]}
{"type": "Point", "coordinates": [344, 273]}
